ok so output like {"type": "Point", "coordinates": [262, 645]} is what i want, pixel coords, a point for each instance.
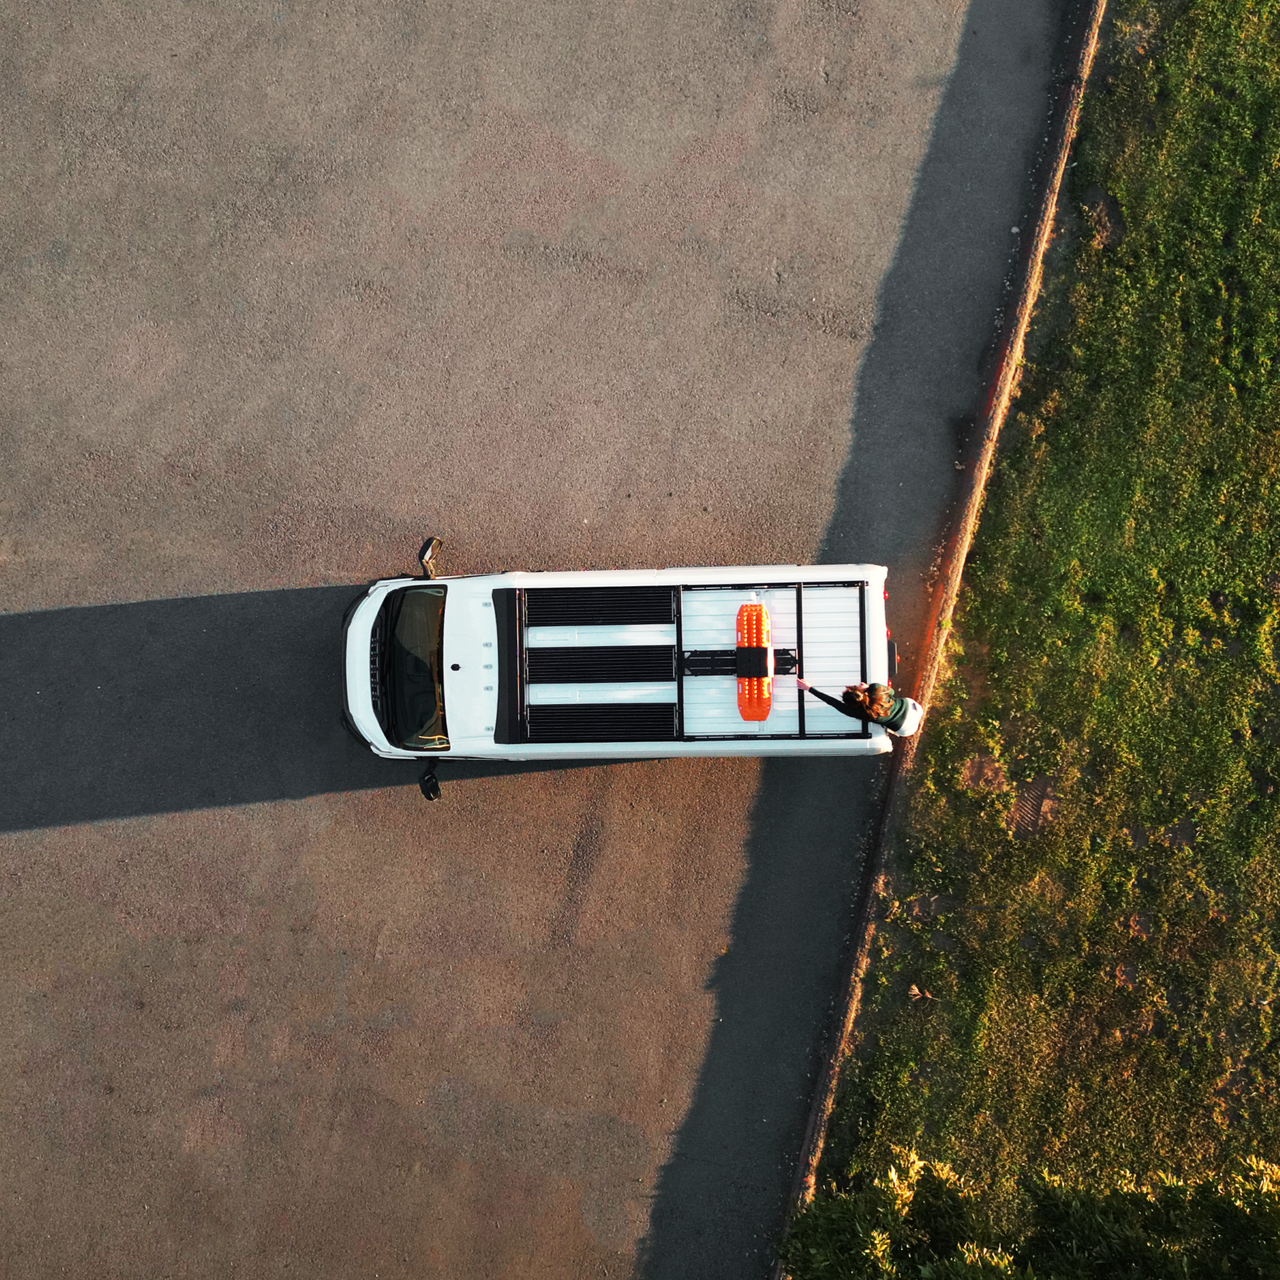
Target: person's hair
{"type": "Point", "coordinates": [874, 701]}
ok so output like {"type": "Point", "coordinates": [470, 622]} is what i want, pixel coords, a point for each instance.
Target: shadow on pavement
{"type": "Point", "coordinates": [721, 1199]}
{"type": "Point", "coordinates": [168, 705]}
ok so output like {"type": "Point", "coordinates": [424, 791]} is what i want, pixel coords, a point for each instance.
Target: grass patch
{"type": "Point", "coordinates": [1081, 968]}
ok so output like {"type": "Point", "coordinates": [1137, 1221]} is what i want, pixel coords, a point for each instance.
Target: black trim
{"type": "Point", "coordinates": [507, 727]}
{"type": "Point", "coordinates": [800, 657]}
{"type": "Point", "coordinates": [677, 601]}
{"type": "Point", "coordinates": [522, 655]}
{"type": "Point", "coordinates": [862, 627]}
{"type": "Point", "coordinates": [893, 660]}
{"type": "Point", "coordinates": [770, 586]}
{"type": "Point", "coordinates": [770, 737]}
{"type": "Point", "coordinates": [709, 662]}
{"type": "Point", "coordinates": [380, 633]}
{"type": "Point", "coordinates": [350, 725]}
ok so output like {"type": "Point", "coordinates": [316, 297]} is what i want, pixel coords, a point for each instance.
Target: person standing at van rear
{"type": "Point", "coordinates": [875, 702]}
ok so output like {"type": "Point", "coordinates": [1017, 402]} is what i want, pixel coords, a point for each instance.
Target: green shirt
{"type": "Point", "coordinates": [896, 717]}
{"type": "Point", "coordinates": [893, 721]}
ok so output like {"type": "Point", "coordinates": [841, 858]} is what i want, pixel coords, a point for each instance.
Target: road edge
{"type": "Point", "coordinates": [1083, 44]}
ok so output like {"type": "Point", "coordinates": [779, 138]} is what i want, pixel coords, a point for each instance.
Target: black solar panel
{"type": "Point", "coordinates": [604, 722]}
{"type": "Point", "coordinates": [600, 663]}
{"type": "Point", "coordinates": [598, 606]}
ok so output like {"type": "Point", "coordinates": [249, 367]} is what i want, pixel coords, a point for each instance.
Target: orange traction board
{"type": "Point", "coordinates": [755, 654]}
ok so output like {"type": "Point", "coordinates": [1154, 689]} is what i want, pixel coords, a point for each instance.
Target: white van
{"type": "Point", "coordinates": [615, 664]}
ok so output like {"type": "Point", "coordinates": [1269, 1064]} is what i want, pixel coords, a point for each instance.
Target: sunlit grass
{"type": "Point", "coordinates": [1100, 991]}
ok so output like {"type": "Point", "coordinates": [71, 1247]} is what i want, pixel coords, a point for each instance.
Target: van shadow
{"type": "Point", "coordinates": [721, 1195]}
{"type": "Point", "coordinates": [721, 1200]}
{"type": "Point", "coordinates": [121, 710]}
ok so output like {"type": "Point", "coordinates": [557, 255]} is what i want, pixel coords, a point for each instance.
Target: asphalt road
{"type": "Point", "coordinates": [283, 290]}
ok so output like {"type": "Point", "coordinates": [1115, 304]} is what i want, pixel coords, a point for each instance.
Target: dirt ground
{"type": "Point", "coordinates": [286, 287]}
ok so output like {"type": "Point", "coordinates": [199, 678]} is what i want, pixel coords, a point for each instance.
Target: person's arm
{"type": "Point", "coordinates": [829, 700]}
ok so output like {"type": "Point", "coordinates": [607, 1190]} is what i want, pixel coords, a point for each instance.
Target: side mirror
{"type": "Point", "coordinates": [430, 549]}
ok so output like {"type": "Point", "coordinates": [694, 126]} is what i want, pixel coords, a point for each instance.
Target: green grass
{"type": "Point", "coordinates": [1101, 992]}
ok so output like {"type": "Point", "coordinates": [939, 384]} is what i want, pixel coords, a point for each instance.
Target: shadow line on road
{"type": "Point", "coordinates": [721, 1200]}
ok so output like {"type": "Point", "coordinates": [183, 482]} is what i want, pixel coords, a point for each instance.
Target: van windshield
{"type": "Point", "coordinates": [415, 658]}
